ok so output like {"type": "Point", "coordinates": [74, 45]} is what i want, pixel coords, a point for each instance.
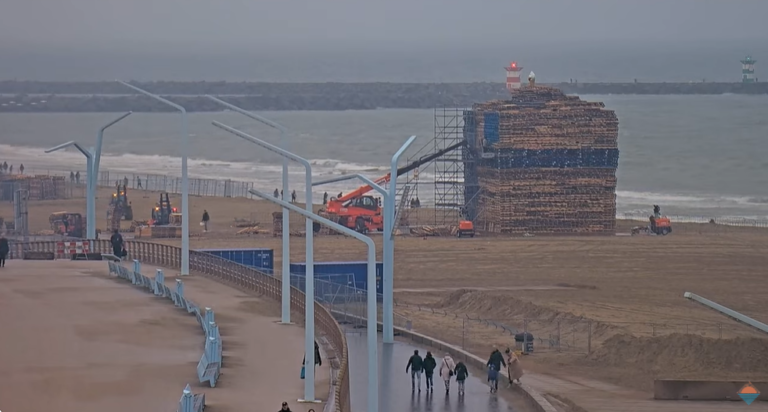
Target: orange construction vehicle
{"type": "Point", "coordinates": [362, 212]}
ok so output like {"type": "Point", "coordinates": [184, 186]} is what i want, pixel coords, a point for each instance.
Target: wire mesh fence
{"type": "Point", "coordinates": [574, 335]}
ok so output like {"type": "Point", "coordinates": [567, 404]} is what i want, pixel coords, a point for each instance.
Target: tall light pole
{"type": "Point", "coordinates": [99, 141]}
{"type": "Point", "coordinates": [388, 281]}
{"type": "Point", "coordinates": [286, 292]}
{"type": "Point", "coordinates": [90, 203]}
{"type": "Point", "coordinates": [184, 175]}
{"type": "Point", "coordinates": [93, 158]}
{"type": "Point", "coordinates": [309, 290]}
{"type": "Point", "coordinates": [373, 350]}
{"type": "Point", "coordinates": [388, 240]}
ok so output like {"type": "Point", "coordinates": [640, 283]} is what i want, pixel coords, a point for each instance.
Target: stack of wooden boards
{"type": "Point", "coordinates": [40, 187]}
{"type": "Point", "coordinates": [548, 165]}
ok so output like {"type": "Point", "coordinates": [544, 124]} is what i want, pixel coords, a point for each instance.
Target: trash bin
{"type": "Point", "coordinates": [524, 338]}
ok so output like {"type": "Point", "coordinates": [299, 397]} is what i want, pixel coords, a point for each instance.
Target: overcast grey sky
{"type": "Point", "coordinates": [195, 25]}
{"type": "Point", "coordinates": [33, 31]}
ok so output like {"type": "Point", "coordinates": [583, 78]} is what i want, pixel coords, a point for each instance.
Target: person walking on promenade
{"type": "Point", "coordinates": [496, 360]}
{"type": "Point", "coordinates": [4, 249]}
{"type": "Point", "coordinates": [461, 373]}
{"type": "Point", "coordinates": [514, 368]}
{"type": "Point", "coordinates": [446, 371]}
{"type": "Point", "coordinates": [138, 182]}
{"type": "Point", "coordinates": [21, 169]}
{"type": "Point", "coordinates": [117, 244]}
{"type": "Point", "coordinates": [206, 218]}
{"type": "Point", "coordinates": [276, 194]}
{"type": "Point", "coordinates": [415, 364]}
{"type": "Point", "coordinates": [325, 198]}
{"type": "Point", "coordinates": [493, 378]}
{"type": "Point", "coordinates": [285, 408]}
{"type": "Point", "coordinates": [293, 197]}
{"type": "Point", "coordinates": [318, 361]}
{"type": "Point", "coordinates": [77, 177]}
{"type": "Point", "coordinates": [71, 177]}
{"type": "Point", "coordinates": [430, 364]}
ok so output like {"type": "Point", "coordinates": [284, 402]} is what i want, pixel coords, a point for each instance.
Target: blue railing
{"type": "Point", "coordinates": [209, 367]}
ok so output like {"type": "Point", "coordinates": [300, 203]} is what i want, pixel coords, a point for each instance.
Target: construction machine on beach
{"type": "Point", "coordinates": [363, 213]}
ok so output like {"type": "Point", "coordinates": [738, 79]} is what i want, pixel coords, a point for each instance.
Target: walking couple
{"type": "Point", "coordinates": [448, 368]}
{"type": "Point", "coordinates": [495, 362]}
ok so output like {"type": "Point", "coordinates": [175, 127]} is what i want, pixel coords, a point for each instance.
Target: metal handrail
{"type": "Point", "coordinates": [233, 274]}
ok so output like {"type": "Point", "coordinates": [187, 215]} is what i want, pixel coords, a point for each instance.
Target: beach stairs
{"type": "Point", "coordinates": [191, 402]}
{"type": "Point", "coordinates": [209, 367]}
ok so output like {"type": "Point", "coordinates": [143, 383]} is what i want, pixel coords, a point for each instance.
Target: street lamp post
{"type": "Point", "coordinates": [309, 290]}
{"type": "Point", "coordinates": [389, 248]}
{"type": "Point", "coordinates": [373, 365]}
{"type": "Point", "coordinates": [90, 203]}
{"type": "Point", "coordinates": [286, 292]}
{"type": "Point", "coordinates": [93, 158]}
{"type": "Point", "coordinates": [184, 175]}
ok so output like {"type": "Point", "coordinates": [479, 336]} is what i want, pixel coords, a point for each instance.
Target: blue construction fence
{"type": "Point", "coordinates": [209, 366]}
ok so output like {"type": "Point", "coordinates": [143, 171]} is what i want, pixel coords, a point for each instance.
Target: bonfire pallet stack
{"type": "Point", "coordinates": [40, 187]}
{"type": "Point", "coordinates": [548, 163]}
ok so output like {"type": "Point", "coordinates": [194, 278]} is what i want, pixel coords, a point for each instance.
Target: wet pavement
{"type": "Point", "coordinates": [395, 385]}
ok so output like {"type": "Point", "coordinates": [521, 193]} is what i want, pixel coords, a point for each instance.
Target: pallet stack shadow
{"type": "Point", "coordinates": [542, 162]}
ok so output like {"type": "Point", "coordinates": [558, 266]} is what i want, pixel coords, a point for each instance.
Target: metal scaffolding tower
{"type": "Point", "coordinates": [446, 189]}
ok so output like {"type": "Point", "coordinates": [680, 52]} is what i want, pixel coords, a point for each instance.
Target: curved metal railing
{"type": "Point", "coordinates": [224, 271]}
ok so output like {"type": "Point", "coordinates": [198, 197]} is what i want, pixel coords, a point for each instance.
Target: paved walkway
{"type": "Point", "coordinates": [75, 340]}
{"type": "Point", "coordinates": [395, 389]}
{"type": "Point", "coordinates": [262, 359]}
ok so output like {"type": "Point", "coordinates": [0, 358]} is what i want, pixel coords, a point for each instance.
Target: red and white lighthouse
{"type": "Point", "coordinates": [513, 76]}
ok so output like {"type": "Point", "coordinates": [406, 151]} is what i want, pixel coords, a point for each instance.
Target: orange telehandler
{"type": "Point", "coordinates": [362, 212]}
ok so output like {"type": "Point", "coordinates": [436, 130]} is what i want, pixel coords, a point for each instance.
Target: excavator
{"type": "Point", "coordinates": [362, 212]}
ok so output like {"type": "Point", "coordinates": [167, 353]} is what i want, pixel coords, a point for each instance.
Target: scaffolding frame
{"type": "Point", "coordinates": [448, 184]}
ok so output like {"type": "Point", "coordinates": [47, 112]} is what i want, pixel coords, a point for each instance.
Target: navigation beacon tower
{"type": "Point", "coordinates": [747, 70]}
{"type": "Point", "coordinates": [513, 76]}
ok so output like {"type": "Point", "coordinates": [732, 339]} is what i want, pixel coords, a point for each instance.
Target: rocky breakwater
{"type": "Point", "coordinates": [29, 96]}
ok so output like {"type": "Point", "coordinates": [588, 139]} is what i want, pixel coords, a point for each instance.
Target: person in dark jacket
{"type": "Point", "coordinates": [206, 218]}
{"type": "Point", "coordinates": [4, 249]}
{"type": "Point", "coordinates": [496, 360]}
{"type": "Point", "coordinates": [415, 364]}
{"type": "Point", "coordinates": [117, 243]}
{"type": "Point", "coordinates": [461, 373]}
{"type": "Point", "coordinates": [285, 408]}
{"type": "Point", "coordinates": [318, 361]}
{"type": "Point", "coordinates": [429, 366]}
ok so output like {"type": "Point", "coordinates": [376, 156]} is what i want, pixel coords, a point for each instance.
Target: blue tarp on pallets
{"type": "Point", "coordinates": [491, 127]}
{"type": "Point", "coordinates": [553, 158]}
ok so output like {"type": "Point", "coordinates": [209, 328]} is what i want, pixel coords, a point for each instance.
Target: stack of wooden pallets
{"type": "Point", "coordinates": [549, 164]}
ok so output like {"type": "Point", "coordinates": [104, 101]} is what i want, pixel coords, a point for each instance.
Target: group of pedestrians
{"type": "Point", "coordinates": [8, 169]}
{"type": "Point", "coordinates": [448, 369]}
{"type": "Point", "coordinates": [427, 365]}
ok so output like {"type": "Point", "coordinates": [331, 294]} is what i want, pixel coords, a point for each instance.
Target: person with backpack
{"type": "Point", "coordinates": [429, 369]}
{"type": "Point", "coordinates": [446, 371]}
{"type": "Point", "coordinates": [461, 373]}
{"type": "Point", "coordinates": [415, 364]}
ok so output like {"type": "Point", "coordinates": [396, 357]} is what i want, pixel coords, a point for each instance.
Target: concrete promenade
{"type": "Point", "coordinates": [262, 358]}
{"type": "Point", "coordinates": [75, 339]}
{"type": "Point", "coordinates": [395, 385]}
